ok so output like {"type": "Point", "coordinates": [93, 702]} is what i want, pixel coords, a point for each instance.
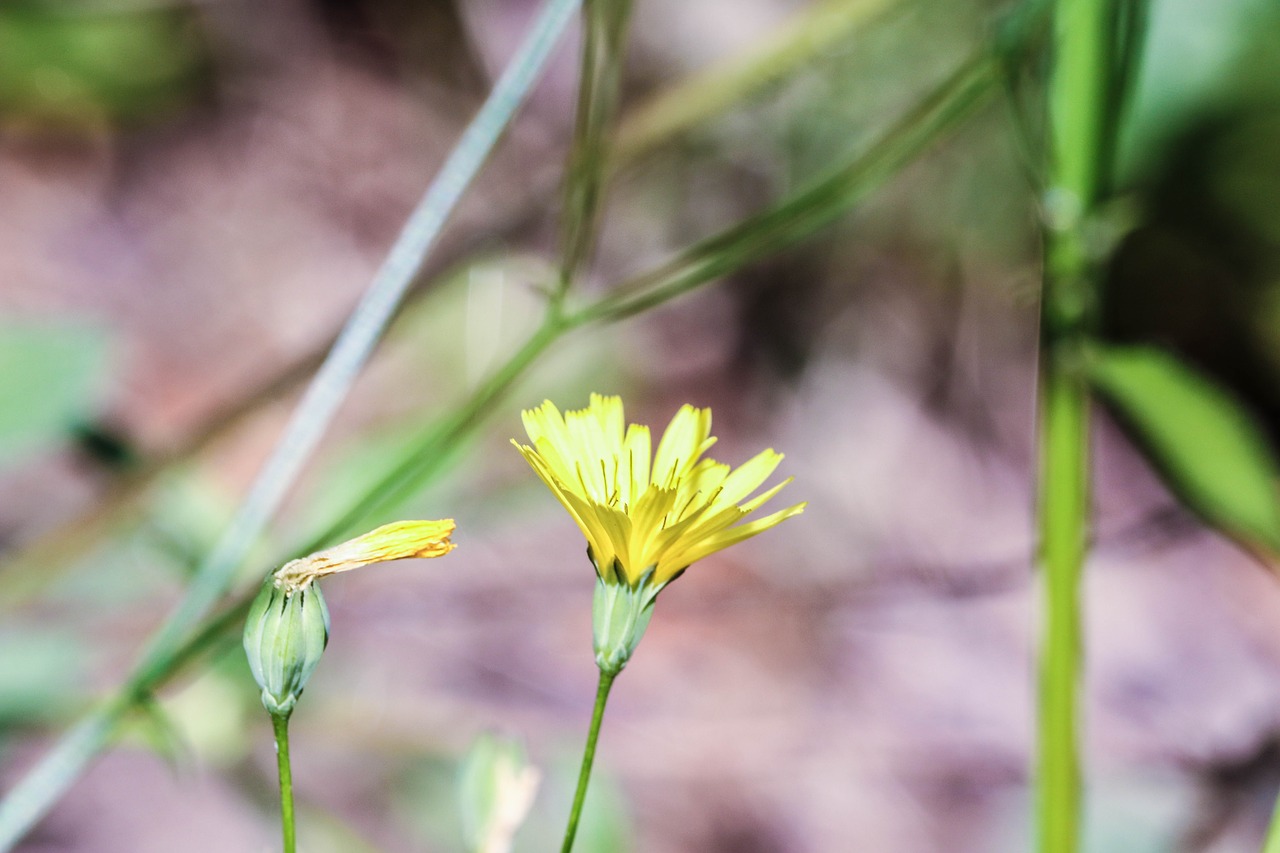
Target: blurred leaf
{"type": "Point", "coordinates": [76, 65]}
{"type": "Point", "coordinates": [50, 377]}
{"type": "Point", "coordinates": [1209, 447]}
{"type": "Point", "coordinates": [1198, 58]}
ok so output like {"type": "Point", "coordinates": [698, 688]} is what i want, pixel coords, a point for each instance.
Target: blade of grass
{"type": "Point", "coordinates": [603, 50]}
{"type": "Point", "coordinates": [28, 801]}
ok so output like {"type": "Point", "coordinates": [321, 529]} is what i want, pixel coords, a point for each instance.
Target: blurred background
{"type": "Point", "coordinates": [193, 196]}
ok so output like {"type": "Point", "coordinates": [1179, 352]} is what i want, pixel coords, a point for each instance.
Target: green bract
{"type": "Point", "coordinates": [284, 636]}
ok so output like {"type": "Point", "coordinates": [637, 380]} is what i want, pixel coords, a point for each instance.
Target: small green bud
{"type": "Point", "coordinates": [620, 615]}
{"type": "Point", "coordinates": [496, 787]}
{"type": "Point", "coordinates": [284, 636]}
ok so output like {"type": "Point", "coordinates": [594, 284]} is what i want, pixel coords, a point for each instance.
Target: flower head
{"type": "Point", "coordinates": [647, 515]}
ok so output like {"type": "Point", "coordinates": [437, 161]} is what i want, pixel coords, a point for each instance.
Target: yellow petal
{"type": "Point", "coordinates": [683, 441]}
{"type": "Point", "coordinates": [699, 548]}
{"type": "Point", "coordinates": [396, 541]}
{"type": "Point", "coordinates": [749, 476]}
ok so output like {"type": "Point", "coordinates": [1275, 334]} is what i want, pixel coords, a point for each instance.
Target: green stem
{"type": "Point", "coordinates": [1078, 105]}
{"type": "Point", "coordinates": [588, 757]}
{"type": "Point", "coordinates": [1063, 521]}
{"type": "Point", "coordinates": [280, 723]}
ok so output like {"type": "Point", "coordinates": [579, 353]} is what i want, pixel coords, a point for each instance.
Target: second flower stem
{"type": "Point", "coordinates": [588, 756]}
{"type": "Point", "coordinates": [280, 722]}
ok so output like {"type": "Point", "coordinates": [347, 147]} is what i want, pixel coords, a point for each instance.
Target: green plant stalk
{"type": "Point", "coordinates": [1063, 524]}
{"type": "Point", "coordinates": [1078, 105]}
{"type": "Point", "coordinates": [42, 787]}
{"type": "Point", "coordinates": [49, 779]}
{"type": "Point", "coordinates": [280, 725]}
{"type": "Point", "coordinates": [588, 758]}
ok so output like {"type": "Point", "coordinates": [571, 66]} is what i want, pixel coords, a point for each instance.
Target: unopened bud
{"type": "Point", "coordinates": [496, 787]}
{"type": "Point", "coordinates": [284, 636]}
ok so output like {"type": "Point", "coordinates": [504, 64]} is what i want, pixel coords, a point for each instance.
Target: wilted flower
{"type": "Point", "coordinates": [396, 541]}
{"type": "Point", "coordinates": [646, 517]}
{"type": "Point", "coordinates": [287, 628]}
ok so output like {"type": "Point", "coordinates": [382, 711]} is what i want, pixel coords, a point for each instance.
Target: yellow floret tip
{"type": "Point", "coordinates": [396, 541]}
{"type": "Point", "coordinates": [641, 510]}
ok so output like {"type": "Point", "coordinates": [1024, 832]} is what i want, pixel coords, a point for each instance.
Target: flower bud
{"type": "Point", "coordinates": [284, 636]}
{"type": "Point", "coordinates": [620, 615]}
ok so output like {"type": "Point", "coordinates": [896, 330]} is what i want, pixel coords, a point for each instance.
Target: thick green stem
{"type": "Point", "coordinates": [588, 757]}
{"type": "Point", "coordinates": [280, 723]}
{"type": "Point", "coordinates": [1078, 106]}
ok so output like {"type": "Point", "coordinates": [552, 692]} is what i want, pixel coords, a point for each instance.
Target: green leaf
{"type": "Point", "coordinates": [50, 380]}
{"type": "Point", "coordinates": [1211, 450]}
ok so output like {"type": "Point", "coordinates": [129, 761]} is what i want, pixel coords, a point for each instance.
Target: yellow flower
{"type": "Point", "coordinates": [643, 513]}
{"type": "Point", "coordinates": [396, 541]}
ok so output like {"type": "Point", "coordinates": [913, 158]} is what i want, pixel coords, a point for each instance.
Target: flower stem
{"type": "Point", "coordinates": [588, 756]}
{"type": "Point", "coordinates": [280, 722]}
